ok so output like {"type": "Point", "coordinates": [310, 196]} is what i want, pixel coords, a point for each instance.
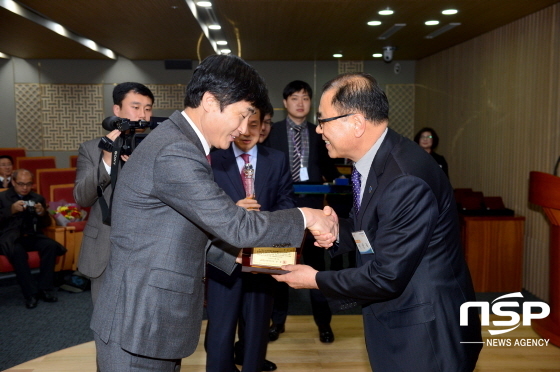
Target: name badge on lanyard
{"type": "Point", "coordinates": [303, 175]}
{"type": "Point", "coordinates": [362, 242]}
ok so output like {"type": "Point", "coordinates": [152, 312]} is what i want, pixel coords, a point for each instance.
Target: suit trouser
{"type": "Point", "coordinates": [112, 358]}
{"type": "Point", "coordinates": [242, 296]}
{"type": "Point", "coordinates": [17, 255]}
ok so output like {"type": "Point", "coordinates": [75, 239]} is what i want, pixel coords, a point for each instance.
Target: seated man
{"type": "Point", "coordinates": [6, 166]}
{"type": "Point", "coordinates": [23, 215]}
{"type": "Point", "coordinates": [246, 296]}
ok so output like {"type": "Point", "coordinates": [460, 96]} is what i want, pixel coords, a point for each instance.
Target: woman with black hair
{"type": "Point", "coordinates": [428, 139]}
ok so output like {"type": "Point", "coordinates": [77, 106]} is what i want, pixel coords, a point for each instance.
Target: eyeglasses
{"type": "Point", "coordinates": [426, 137]}
{"type": "Point", "coordinates": [21, 184]}
{"type": "Point", "coordinates": [320, 122]}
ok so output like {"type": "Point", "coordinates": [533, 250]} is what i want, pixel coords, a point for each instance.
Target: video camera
{"type": "Point", "coordinates": [30, 206]}
{"type": "Point", "coordinates": [130, 139]}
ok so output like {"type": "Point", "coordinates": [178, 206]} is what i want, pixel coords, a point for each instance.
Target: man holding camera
{"type": "Point", "coordinates": [22, 218]}
{"type": "Point", "coordinates": [132, 101]}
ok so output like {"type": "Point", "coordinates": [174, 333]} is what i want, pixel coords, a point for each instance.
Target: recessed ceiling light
{"type": "Point", "coordinates": [205, 4]}
{"type": "Point", "coordinates": [337, 55]}
{"type": "Point", "coordinates": [386, 12]}
{"type": "Point", "coordinates": [2, 55]}
{"type": "Point", "coordinates": [377, 55]}
{"type": "Point", "coordinates": [449, 11]}
{"type": "Point", "coordinates": [374, 23]}
{"type": "Point", "coordinates": [431, 23]}
{"type": "Point", "coordinates": [221, 42]}
{"type": "Point", "coordinates": [174, 7]}
{"type": "Point", "coordinates": [214, 27]}
{"type": "Point", "coordinates": [225, 51]}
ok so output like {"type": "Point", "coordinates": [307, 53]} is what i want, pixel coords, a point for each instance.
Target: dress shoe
{"type": "Point", "coordinates": [31, 302]}
{"type": "Point", "coordinates": [326, 334]}
{"type": "Point", "coordinates": [47, 296]}
{"type": "Point", "coordinates": [274, 331]}
{"type": "Point", "coordinates": [267, 364]}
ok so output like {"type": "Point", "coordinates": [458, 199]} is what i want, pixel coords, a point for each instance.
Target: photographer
{"type": "Point", "coordinates": [23, 215]}
{"type": "Point", "coordinates": [132, 101]}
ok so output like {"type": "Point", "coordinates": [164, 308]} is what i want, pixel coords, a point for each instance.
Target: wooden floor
{"type": "Point", "coordinates": [299, 350]}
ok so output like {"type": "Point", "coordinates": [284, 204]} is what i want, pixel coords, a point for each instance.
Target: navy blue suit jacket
{"type": "Point", "coordinates": [273, 184]}
{"type": "Point", "coordinates": [413, 284]}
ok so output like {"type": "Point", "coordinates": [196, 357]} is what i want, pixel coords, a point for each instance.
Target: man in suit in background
{"type": "Point", "coordinates": [23, 215]}
{"type": "Point", "coordinates": [166, 206]}
{"type": "Point", "coordinates": [411, 276]}
{"type": "Point", "coordinates": [309, 163]}
{"type": "Point", "coordinates": [6, 168]}
{"type": "Point", "coordinates": [245, 296]}
{"type": "Point", "coordinates": [131, 101]}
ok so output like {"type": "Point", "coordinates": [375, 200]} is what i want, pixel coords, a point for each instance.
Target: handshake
{"type": "Point", "coordinates": [322, 224]}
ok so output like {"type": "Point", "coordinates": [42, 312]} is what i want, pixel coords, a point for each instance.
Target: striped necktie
{"type": "Point", "coordinates": [356, 179]}
{"type": "Point", "coordinates": [296, 163]}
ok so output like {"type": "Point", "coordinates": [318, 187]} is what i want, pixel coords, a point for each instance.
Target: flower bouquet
{"type": "Point", "coordinates": [64, 212]}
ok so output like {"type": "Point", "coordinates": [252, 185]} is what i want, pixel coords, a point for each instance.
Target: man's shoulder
{"type": "Point", "coordinates": [270, 152]}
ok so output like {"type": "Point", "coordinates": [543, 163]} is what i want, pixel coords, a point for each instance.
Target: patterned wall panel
{"type": "Point", "coordinates": [350, 66]}
{"type": "Point", "coordinates": [28, 117]}
{"type": "Point", "coordinates": [401, 108]}
{"type": "Point", "coordinates": [71, 114]}
{"type": "Point", "coordinates": [168, 96]}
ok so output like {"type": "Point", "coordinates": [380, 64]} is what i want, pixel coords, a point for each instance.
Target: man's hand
{"type": "Point", "coordinates": [39, 209]}
{"type": "Point", "coordinates": [106, 154]}
{"type": "Point", "coordinates": [323, 225]}
{"type": "Point", "coordinates": [299, 276]}
{"type": "Point", "coordinates": [251, 204]}
{"type": "Point", "coordinates": [18, 206]}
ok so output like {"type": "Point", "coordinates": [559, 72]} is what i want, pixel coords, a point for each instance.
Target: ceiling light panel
{"type": "Point", "coordinates": [441, 30]}
{"type": "Point", "coordinates": [387, 34]}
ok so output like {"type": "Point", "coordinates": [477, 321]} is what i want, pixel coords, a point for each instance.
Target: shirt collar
{"type": "Point", "coordinates": [205, 144]}
{"type": "Point", "coordinates": [364, 164]}
{"type": "Point", "coordinates": [237, 151]}
{"type": "Point", "coordinates": [293, 125]}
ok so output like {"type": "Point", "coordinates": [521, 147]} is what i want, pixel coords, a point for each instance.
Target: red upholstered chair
{"type": "Point", "coordinates": [14, 152]}
{"type": "Point", "coordinates": [73, 161]}
{"type": "Point", "coordinates": [35, 162]}
{"type": "Point", "coordinates": [47, 177]}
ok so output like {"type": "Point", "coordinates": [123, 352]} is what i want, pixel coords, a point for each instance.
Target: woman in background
{"type": "Point", "coordinates": [428, 139]}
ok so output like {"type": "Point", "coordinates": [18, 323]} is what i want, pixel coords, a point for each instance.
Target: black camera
{"type": "Point", "coordinates": [130, 139]}
{"type": "Point", "coordinates": [30, 206]}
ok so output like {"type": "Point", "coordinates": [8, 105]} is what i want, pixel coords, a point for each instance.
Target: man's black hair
{"type": "Point", "coordinates": [7, 157]}
{"type": "Point", "coordinates": [229, 79]}
{"type": "Point", "coordinates": [297, 86]}
{"type": "Point", "coordinates": [122, 89]}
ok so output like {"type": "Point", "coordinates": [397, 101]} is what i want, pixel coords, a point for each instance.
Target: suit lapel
{"type": "Point", "coordinates": [264, 165]}
{"type": "Point", "coordinates": [232, 170]}
{"type": "Point", "coordinates": [376, 170]}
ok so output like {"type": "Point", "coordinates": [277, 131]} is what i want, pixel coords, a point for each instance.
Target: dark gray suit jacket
{"type": "Point", "coordinates": [166, 206]}
{"type": "Point", "coordinates": [96, 247]}
{"type": "Point", "coordinates": [413, 284]}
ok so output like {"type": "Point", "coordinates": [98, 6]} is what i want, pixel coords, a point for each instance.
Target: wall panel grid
{"type": "Point", "coordinates": [494, 101]}
{"type": "Point", "coordinates": [350, 66]}
{"type": "Point", "coordinates": [401, 108]}
{"type": "Point", "coordinates": [168, 96]}
{"type": "Point", "coordinates": [28, 117]}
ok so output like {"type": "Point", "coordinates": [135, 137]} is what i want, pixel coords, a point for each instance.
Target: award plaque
{"type": "Point", "coordinates": [268, 260]}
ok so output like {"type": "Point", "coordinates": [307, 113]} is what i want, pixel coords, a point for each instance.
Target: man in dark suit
{"type": "Point", "coordinates": [246, 296]}
{"type": "Point", "coordinates": [6, 168]}
{"type": "Point", "coordinates": [23, 215]}
{"type": "Point", "coordinates": [411, 277]}
{"type": "Point", "coordinates": [131, 101]}
{"type": "Point", "coordinates": [309, 163]}
{"type": "Point", "coordinates": [166, 206]}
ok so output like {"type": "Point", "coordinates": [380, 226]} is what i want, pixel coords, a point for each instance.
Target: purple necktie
{"type": "Point", "coordinates": [356, 179]}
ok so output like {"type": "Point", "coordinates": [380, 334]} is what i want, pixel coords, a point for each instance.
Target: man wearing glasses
{"type": "Point", "coordinates": [23, 215]}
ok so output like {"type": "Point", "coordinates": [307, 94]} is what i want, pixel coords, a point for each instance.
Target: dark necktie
{"type": "Point", "coordinates": [6, 182]}
{"type": "Point", "coordinates": [356, 179]}
{"type": "Point", "coordinates": [296, 164]}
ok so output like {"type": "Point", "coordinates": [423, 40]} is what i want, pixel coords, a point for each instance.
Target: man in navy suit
{"type": "Point", "coordinates": [411, 277]}
{"type": "Point", "coordinates": [246, 296]}
{"type": "Point", "coordinates": [309, 163]}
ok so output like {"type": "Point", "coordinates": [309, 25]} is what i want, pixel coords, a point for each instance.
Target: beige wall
{"type": "Point", "coordinates": [494, 101]}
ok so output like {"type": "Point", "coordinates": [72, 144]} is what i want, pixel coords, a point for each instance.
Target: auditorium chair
{"type": "Point", "coordinates": [33, 163]}
{"type": "Point", "coordinates": [53, 176]}
{"type": "Point", "coordinates": [73, 161]}
{"type": "Point", "coordinates": [14, 152]}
